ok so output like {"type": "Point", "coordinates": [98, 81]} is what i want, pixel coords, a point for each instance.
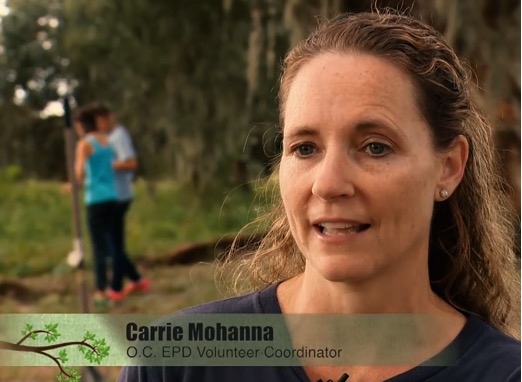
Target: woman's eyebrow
{"type": "Point", "coordinates": [376, 124]}
{"type": "Point", "coordinates": [302, 131]}
{"type": "Point", "coordinates": [361, 126]}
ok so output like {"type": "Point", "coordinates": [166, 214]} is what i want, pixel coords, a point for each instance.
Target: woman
{"type": "Point", "coordinates": [93, 169]}
{"type": "Point", "coordinates": [390, 203]}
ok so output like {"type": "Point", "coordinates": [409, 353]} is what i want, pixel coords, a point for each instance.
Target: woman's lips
{"type": "Point", "coordinates": [341, 228]}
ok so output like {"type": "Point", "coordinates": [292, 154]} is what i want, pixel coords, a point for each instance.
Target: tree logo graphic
{"type": "Point", "coordinates": [93, 349]}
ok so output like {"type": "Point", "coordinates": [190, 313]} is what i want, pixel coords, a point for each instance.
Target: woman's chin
{"type": "Point", "coordinates": [347, 273]}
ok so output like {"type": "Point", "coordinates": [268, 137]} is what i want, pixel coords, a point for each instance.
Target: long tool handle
{"type": "Point", "coordinates": [90, 372]}
{"type": "Point", "coordinates": [76, 211]}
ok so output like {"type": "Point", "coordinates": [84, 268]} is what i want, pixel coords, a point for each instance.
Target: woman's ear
{"type": "Point", "coordinates": [453, 162]}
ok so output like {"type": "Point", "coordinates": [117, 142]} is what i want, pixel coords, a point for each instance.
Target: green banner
{"type": "Point", "coordinates": [221, 340]}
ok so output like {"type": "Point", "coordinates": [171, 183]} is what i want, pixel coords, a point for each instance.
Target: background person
{"type": "Point", "coordinates": [390, 202]}
{"type": "Point", "coordinates": [93, 170]}
{"type": "Point", "coordinates": [124, 164]}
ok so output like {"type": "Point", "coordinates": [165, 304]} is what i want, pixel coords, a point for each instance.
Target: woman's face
{"type": "Point", "coordinates": [359, 173]}
{"type": "Point", "coordinates": [104, 123]}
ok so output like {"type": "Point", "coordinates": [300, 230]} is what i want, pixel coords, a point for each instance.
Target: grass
{"type": "Point", "coordinates": [35, 237]}
{"type": "Point", "coordinates": [36, 234]}
{"type": "Point", "coordinates": [173, 288]}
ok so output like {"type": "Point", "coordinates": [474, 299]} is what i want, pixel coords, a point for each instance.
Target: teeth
{"type": "Point", "coordinates": [334, 228]}
{"type": "Point", "coordinates": [333, 225]}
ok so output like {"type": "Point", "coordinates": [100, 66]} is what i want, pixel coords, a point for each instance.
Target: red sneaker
{"type": "Point", "coordinates": [115, 296]}
{"type": "Point", "coordinates": [142, 285]}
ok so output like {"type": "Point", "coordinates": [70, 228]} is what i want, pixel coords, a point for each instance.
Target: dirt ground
{"type": "Point", "coordinates": [172, 288]}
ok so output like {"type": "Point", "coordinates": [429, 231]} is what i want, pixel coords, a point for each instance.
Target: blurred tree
{"type": "Point", "coordinates": [174, 72]}
{"type": "Point", "coordinates": [33, 70]}
{"type": "Point", "coordinates": [196, 81]}
{"type": "Point", "coordinates": [487, 34]}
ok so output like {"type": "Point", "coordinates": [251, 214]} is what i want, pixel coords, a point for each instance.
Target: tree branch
{"type": "Point", "coordinates": [55, 359]}
{"type": "Point", "coordinates": [39, 349]}
{"type": "Point", "coordinates": [31, 333]}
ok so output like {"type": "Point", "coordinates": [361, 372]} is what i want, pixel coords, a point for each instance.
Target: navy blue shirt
{"type": "Point", "coordinates": [485, 354]}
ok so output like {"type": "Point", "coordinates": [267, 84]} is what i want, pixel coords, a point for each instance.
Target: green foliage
{"type": "Point", "coordinates": [93, 349]}
{"type": "Point", "coordinates": [97, 352]}
{"type": "Point", "coordinates": [52, 332]}
{"type": "Point", "coordinates": [191, 100]}
{"type": "Point", "coordinates": [62, 355]}
{"type": "Point", "coordinates": [73, 375]}
{"type": "Point", "coordinates": [11, 173]}
{"type": "Point", "coordinates": [195, 81]}
{"type": "Point", "coordinates": [30, 44]}
{"type": "Point", "coordinates": [176, 73]}
{"type": "Point", "coordinates": [29, 330]}
{"type": "Point", "coordinates": [35, 233]}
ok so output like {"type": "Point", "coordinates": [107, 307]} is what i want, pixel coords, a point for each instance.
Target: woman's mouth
{"type": "Point", "coordinates": [341, 228]}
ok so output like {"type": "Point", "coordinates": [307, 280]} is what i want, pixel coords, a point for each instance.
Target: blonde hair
{"type": "Point", "coordinates": [472, 264]}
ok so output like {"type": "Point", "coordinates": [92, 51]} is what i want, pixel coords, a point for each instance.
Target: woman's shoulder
{"type": "Point", "coordinates": [259, 302]}
{"type": "Point", "coordinates": [487, 354]}
{"type": "Point", "coordinates": [494, 342]}
{"type": "Point", "coordinates": [96, 140]}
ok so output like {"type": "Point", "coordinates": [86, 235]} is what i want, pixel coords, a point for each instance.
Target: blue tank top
{"type": "Point", "coordinates": [100, 185]}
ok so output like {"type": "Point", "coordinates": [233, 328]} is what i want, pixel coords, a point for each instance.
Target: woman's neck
{"type": "Point", "coordinates": [434, 322]}
{"type": "Point", "coordinates": [407, 292]}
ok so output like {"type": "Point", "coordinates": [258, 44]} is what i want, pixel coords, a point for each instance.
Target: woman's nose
{"type": "Point", "coordinates": [333, 177]}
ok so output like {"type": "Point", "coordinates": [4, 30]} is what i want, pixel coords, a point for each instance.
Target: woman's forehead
{"type": "Point", "coordinates": [336, 85]}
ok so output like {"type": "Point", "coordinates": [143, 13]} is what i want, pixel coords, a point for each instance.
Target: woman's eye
{"type": "Point", "coordinates": [304, 150]}
{"type": "Point", "coordinates": [377, 149]}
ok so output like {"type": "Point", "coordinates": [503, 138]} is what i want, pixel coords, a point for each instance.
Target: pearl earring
{"type": "Point", "coordinates": [444, 193]}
